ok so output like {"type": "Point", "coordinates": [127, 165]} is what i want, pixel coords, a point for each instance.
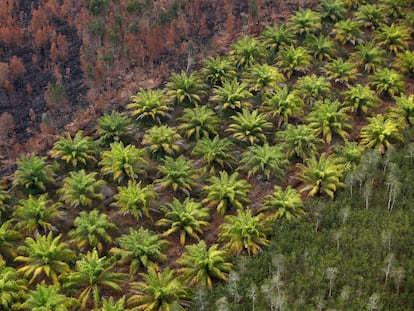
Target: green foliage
{"type": "Point", "coordinates": [306, 21]}
{"type": "Point", "coordinates": [403, 111]}
{"type": "Point", "coordinates": [332, 10]}
{"type": "Point", "coordinates": [199, 122]}
{"type": "Point", "coordinates": [370, 15]}
{"type": "Point", "coordinates": [114, 127]}
{"type": "Point", "coordinates": [7, 237]}
{"type": "Point", "coordinates": [275, 36]}
{"type": "Point", "coordinates": [368, 56]}
{"type": "Point", "coordinates": [96, 7]}
{"type": "Point", "coordinates": [320, 47]}
{"type": "Point", "coordinates": [263, 78]}
{"type": "Point", "coordinates": [232, 95]}
{"type": "Point", "coordinates": [312, 88]}
{"type": "Point", "coordinates": [185, 89]}
{"type": "Point", "coordinates": [292, 59]}
{"type": "Point", "coordinates": [361, 99]}
{"type": "Point", "coordinates": [217, 70]}
{"type": "Point", "coordinates": [57, 93]}
{"type": "Point", "coordinates": [347, 31]}
{"type": "Point", "coordinates": [405, 62]}
{"type": "Point", "coordinates": [396, 38]}
{"type": "Point", "coordinates": [388, 82]}
{"type": "Point", "coordinates": [341, 71]}
{"type": "Point", "coordinates": [162, 140]}
{"type": "Point", "coordinates": [12, 287]}
{"type": "Point", "coordinates": [247, 52]}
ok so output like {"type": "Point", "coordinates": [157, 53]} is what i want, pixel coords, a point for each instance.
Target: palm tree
{"type": "Point", "coordinates": [93, 273]}
{"type": "Point", "coordinates": [217, 70]}
{"type": "Point", "coordinates": [201, 264]}
{"type": "Point", "coordinates": [293, 59]}
{"type": "Point", "coordinates": [215, 152]}
{"type": "Point", "coordinates": [77, 151]}
{"type": "Point", "coordinates": [321, 47]}
{"type": "Point", "coordinates": [370, 15]}
{"type": "Point", "coordinates": [123, 162]}
{"type": "Point", "coordinates": [185, 89]}
{"type": "Point", "coordinates": [199, 122]}
{"type": "Point", "coordinates": [328, 118]}
{"type": "Point", "coordinates": [275, 36]}
{"type": "Point", "coordinates": [351, 152]}
{"type": "Point", "coordinates": [186, 218]}
{"type": "Point", "coordinates": [243, 232]}
{"type": "Point", "coordinates": [388, 82]}
{"type": "Point", "coordinates": [354, 4]}
{"type": "Point", "coordinates": [341, 71]}
{"type": "Point", "coordinates": [405, 62]}
{"type": "Point", "coordinates": [332, 10]}
{"type": "Point", "coordinates": [33, 174]}
{"type": "Point", "coordinates": [394, 9]}
{"type": "Point", "coordinates": [135, 199]}
{"type": "Point", "coordinates": [92, 230]}
{"type": "Point", "coordinates": [347, 31]}
{"type": "Point", "coordinates": [232, 95]}
{"type": "Point", "coordinates": [361, 99]}
{"type": "Point", "coordinates": [4, 197]}
{"type": "Point", "coordinates": [395, 37]}
{"type": "Point", "coordinates": [159, 290]}
{"type": "Point", "coordinates": [263, 78]}
{"type": "Point", "coordinates": [312, 88]}
{"type": "Point", "coordinates": [267, 160]}
{"type": "Point", "coordinates": [299, 141]}
{"type": "Point", "coordinates": [12, 287]}
{"type": "Point", "coordinates": [162, 140]}
{"type": "Point", "coordinates": [111, 305]}
{"type": "Point", "coordinates": [246, 52]}
{"type": "Point", "coordinates": [7, 238]}
{"type": "Point", "coordinates": [283, 105]}
{"type": "Point", "coordinates": [44, 256]}
{"type": "Point", "coordinates": [35, 214]}
{"type": "Point", "coordinates": [48, 298]}
{"type": "Point", "coordinates": [249, 127]}
{"type": "Point", "coordinates": [178, 174]}
{"type": "Point", "coordinates": [140, 248]}
{"type": "Point", "coordinates": [226, 191]}
{"type": "Point", "coordinates": [80, 189]}
{"type": "Point", "coordinates": [150, 105]}
{"type": "Point", "coordinates": [306, 21]}
{"type": "Point", "coordinates": [368, 56]}
{"type": "Point", "coordinates": [403, 112]}
{"type": "Point", "coordinates": [380, 133]}
{"type": "Point", "coordinates": [322, 175]}
{"type": "Point", "coordinates": [114, 127]}
{"type": "Point", "coordinates": [284, 204]}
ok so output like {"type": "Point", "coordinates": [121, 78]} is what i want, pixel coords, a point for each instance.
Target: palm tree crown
{"type": "Point", "coordinates": [150, 105]}
{"type": "Point", "coordinates": [185, 88]}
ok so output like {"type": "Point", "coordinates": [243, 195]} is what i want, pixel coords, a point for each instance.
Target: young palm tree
{"type": "Point", "coordinates": [328, 118]}
{"type": "Point", "coordinates": [150, 105]}
{"type": "Point", "coordinates": [43, 257]}
{"type": "Point", "coordinates": [178, 174]}
{"type": "Point", "coordinates": [395, 37]}
{"type": "Point", "coordinates": [332, 10]}
{"type": "Point", "coordinates": [217, 70]}
{"type": "Point", "coordinates": [92, 230]}
{"type": "Point", "coordinates": [201, 264]}
{"type": "Point", "coordinates": [263, 78]}
{"type": "Point", "coordinates": [33, 174]}
{"type": "Point", "coordinates": [299, 141]}
{"type": "Point", "coordinates": [77, 151]}
{"type": "Point", "coordinates": [135, 199]}
{"type": "Point", "coordinates": [394, 9]}
{"type": "Point", "coordinates": [354, 4]}
{"type": "Point", "coordinates": [80, 189]}
{"type": "Point", "coordinates": [140, 248]}
{"type": "Point", "coordinates": [199, 122]}
{"type": "Point", "coordinates": [361, 99]}
{"type": "Point", "coordinates": [215, 152]}
{"type": "Point", "coordinates": [249, 127]}
{"type": "Point", "coordinates": [35, 214]}
{"type": "Point", "coordinates": [114, 127]}
{"type": "Point", "coordinates": [275, 36]}
{"type": "Point", "coordinates": [284, 105]}
{"type": "Point", "coordinates": [112, 305]}
{"type": "Point", "coordinates": [92, 274]}
{"type": "Point", "coordinates": [312, 88]}
{"type": "Point", "coordinates": [368, 56]}
{"type": "Point", "coordinates": [403, 112]}
{"type": "Point", "coordinates": [8, 237]}
{"type": "Point", "coordinates": [306, 21]}
{"type": "Point", "coordinates": [284, 204]}
{"type": "Point", "coordinates": [159, 290]}
{"type": "Point", "coordinates": [267, 160]}
{"type": "Point", "coordinates": [186, 218]}
{"type": "Point", "coordinates": [351, 152]}
{"type": "Point", "coordinates": [246, 52]}
{"type": "Point", "coordinates": [4, 197]}
{"type": "Point", "coordinates": [293, 59]}
{"type": "Point", "coordinates": [232, 96]}
{"type": "Point", "coordinates": [405, 63]}
{"type": "Point", "coordinates": [341, 71]}
{"type": "Point", "coordinates": [381, 133]}
{"type": "Point", "coordinates": [12, 287]}
{"type": "Point", "coordinates": [185, 89]}
{"type": "Point", "coordinates": [162, 140]}
{"type": "Point", "coordinates": [226, 191]}
{"type": "Point", "coordinates": [321, 47]}
{"type": "Point", "coordinates": [347, 31]}
{"type": "Point", "coordinates": [322, 175]}
{"type": "Point", "coordinates": [123, 162]}
{"type": "Point", "coordinates": [388, 82]}
{"type": "Point", "coordinates": [370, 16]}
{"type": "Point", "coordinates": [243, 232]}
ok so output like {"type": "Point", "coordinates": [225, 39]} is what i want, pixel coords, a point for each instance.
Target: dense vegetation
{"type": "Point", "coordinates": [276, 177]}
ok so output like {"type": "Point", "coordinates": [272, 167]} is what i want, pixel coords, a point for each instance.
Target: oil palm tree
{"type": "Point", "coordinates": [275, 36]}
{"type": "Point", "coordinates": [322, 175]}
{"type": "Point", "coordinates": [305, 21]}
{"type": "Point", "coordinates": [92, 274]}
{"type": "Point", "coordinates": [150, 105]}
{"type": "Point", "coordinates": [395, 37]}
{"type": "Point", "coordinates": [403, 111]}
{"type": "Point", "coordinates": [246, 52]}
{"type": "Point", "coordinates": [44, 257]}
{"type": "Point", "coordinates": [114, 127]}
{"type": "Point", "coordinates": [162, 140]}
{"type": "Point", "coordinates": [8, 237]}
{"type": "Point", "coordinates": [226, 191]}
{"type": "Point", "coordinates": [312, 88]}
{"type": "Point", "coordinates": [114, 305]}
{"type": "Point", "coordinates": [321, 47]}
{"type": "Point", "coordinates": [347, 31]}
{"type": "Point", "coordinates": [351, 152]}
{"type": "Point", "coordinates": [380, 133]}
{"type": "Point", "coordinates": [200, 264]}
{"type": "Point", "coordinates": [34, 214]}
{"type": "Point", "coordinates": [140, 248]}
{"type": "Point", "coordinates": [92, 230]}
{"type": "Point", "coordinates": [284, 204]}
{"type": "Point", "coordinates": [263, 78]}
{"type": "Point", "coordinates": [135, 199]}
{"type": "Point", "coordinates": [368, 56]}
{"type": "Point", "coordinates": [332, 10]}
{"type": "Point", "coordinates": [81, 189]}
{"type": "Point", "coordinates": [387, 82]}
{"type": "Point", "coordinates": [394, 9]}
{"type": "Point", "coordinates": [185, 89]}
{"type": "Point", "coordinates": [177, 174]}
{"type": "Point", "coordinates": [361, 99]}
{"type": "Point", "coordinates": [370, 15]}
{"type": "Point", "coordinates": [159, 290]}
{"type": "Point", "coordinates": [249, 127]}
{"type": "Point", "coordinates": [217, 70]}
{"type": "Point", "coordinates": [266, 160]}
{"type": "Point", "coordinates": [122, 162]}
{"type": "Point", "coordinates": [341, 71]}
{"type": "Point", "coordinates": [232, 95]}
{"type": "Point", "coordinates": [405, 62]}
{"type": "Point", "coordinates": [243, 232]}
{"type": "Point", "coordinates": [76, 152]}
{"type": "Point", "coordinates": [188, 218]}
{"type": "Point", "coordinates": [329, 118]}
{"type": "Point", "coordinates": [12, 287]}
{"type": "Point", "coordinates": [4, 197]}
{"type": "Point", "coordinates": [292, 59]}
{"type": "Point", "coordinates": [199, 122]}
{"type": "Point", "coordinates": [33, 174]}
